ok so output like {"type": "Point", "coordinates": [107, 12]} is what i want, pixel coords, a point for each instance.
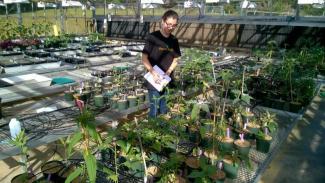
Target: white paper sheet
{"type": "Point", "coordinates": [165, 79]}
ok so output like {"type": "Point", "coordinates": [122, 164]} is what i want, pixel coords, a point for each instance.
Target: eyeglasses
{"type": "Point", "coordinates": [171, 25]}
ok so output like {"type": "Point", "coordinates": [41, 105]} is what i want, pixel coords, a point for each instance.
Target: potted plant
{"type": "Point", "coordinates": [86, 135]}
{"type": "Point", "coordinates": [231, 164]}
{"type": "Point", "coordinates": [242, 145]}
{"type": "Point", "coordinates": [252, 126]}
{"type": "Point", "coordinates": [247, 115]}
{"type": "Point", "coordinates": [20, 141]}
{"type": "Point", "coordinates": [263, 141]}
{"type": "Point", "coordinates": [268, 121]}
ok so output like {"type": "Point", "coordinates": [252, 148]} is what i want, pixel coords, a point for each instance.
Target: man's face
{"type": "Point", "coordinates": [169, 25]}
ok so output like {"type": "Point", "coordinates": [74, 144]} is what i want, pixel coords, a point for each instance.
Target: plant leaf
{"type": "Point", "coordinates": [91, 166]}
{"type": "Point", "coordinates": [73, 175]}
{"type": "Point", "coordinates": [74, 140]}
{"type": "Point", "coordinates": [196, 174]}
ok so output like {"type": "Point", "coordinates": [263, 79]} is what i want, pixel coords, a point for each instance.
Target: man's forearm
{"type": "Point", "coordinates": [146, 63]}
{"type": "Point", "coordinates": [172, 66]}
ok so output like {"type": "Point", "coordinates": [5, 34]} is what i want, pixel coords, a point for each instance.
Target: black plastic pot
{"type": "Point", "coordinates": [295, 107]}
{"type": "Point", "coordinates": [24, 178]}
{"type": "Point", "coordinates": [263, 145]}
{"type": "Point", "coordinates": [51, 170]}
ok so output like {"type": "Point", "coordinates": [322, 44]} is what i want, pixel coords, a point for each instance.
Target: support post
{"type": "Point", "coordinates": [20, 18]}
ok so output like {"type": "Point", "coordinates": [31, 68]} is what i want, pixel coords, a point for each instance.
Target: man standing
{"type": "Point", "coordinates": [161, 49]}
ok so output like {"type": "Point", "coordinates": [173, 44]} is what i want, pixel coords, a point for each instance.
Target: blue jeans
{"type": "Point", "coordinates": [157, 102]}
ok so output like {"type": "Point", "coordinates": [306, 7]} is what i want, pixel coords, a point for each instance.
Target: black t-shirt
{"type": "Point", "coordinates": [161, 51]}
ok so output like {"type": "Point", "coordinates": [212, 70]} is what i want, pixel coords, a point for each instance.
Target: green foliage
{"type": "Point", "coordinates": [76, 173]}
{"type": "Point", "coordinates": [197, 108]}
{"type": "Point", "coordinates": [87, 133]}
{"type": "Point", "coordinates": [10, 30]}
{"type": "Point", "coordinates": [21, 143]}
{"type": "Point", "coordinates": [268, 120]}
{"type": "Point", "coordinates": [172, 164]}
{"type": "Point", "coordinates": [91, 166]}
{"type": "Point", "coordinates": [197, 68]}
{"type": "Point", "coordinates": [204, 172]}
{"type": "Point", "coordinates": [57, 41]}
{"type": "Point", "coordinates": [96, 37]}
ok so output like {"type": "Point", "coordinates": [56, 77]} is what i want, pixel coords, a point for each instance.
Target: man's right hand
{"type": "Point", "coordinates": [156, 77]}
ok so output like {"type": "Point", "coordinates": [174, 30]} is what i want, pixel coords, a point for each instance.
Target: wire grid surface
{"type": "Point", "coordinates": [260, 160]}
{"type": "Point", "coordinates": [39, 125]}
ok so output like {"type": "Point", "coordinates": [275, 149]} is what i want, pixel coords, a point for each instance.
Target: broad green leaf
{"type": "Point", "coordinates": [113, 177]}
{"type": "Point", "coordinates": [91, 166]}
{"type": "Point", "coordinates": [195, 112]}
{"type": "Point", "coordinates": [157, 146]}
{"type": "Point", "coordinates": [196, 174]}
{"type": "Point", "coordinates": [73, 175]}
{"type": "Point", "coordinates": [74, 140]}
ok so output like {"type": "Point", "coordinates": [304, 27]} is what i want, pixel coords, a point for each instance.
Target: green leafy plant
{"type": "Point", "coordinates": [84, 137]}
{"type": "Point", "coordinates": [268, 120]}
{"type": "Point", "coordinates": [206, 170]}
{"type": "Point", "coordinates": [96, 37]}
{"type": "Point", "coordinates": [20, 141]}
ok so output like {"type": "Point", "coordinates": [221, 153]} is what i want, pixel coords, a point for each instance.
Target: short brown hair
{"type": "Point", "coordinates": [168, 14]}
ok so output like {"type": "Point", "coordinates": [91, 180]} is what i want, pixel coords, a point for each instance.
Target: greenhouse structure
{"type": "Point", "coordinates": [166, 91]}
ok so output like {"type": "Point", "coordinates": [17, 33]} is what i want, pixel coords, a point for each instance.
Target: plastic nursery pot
{"type": "Point", "coordinates": [230, 168]}
{"type": "Point", "coordinates": [68, 95]}
{"type": "Point", "coordinates": [227, 144]}
{"type": "Point", "coordinates": [132, 100]}
{"type": "Point", "coordinates": [243, 146]}
{"type": "Point", "coordinates": [99, 100]}
{"type": "Point", "coordinates": [51, 170]}
{"type": "Point", "coordinates": [114, 102]}
{"type": "Point", "coordinates": [122, 105]}
{"type": "Point", "coordinates": [247, 116]}
{"type": "Point", "coordinates": [253, 128]}
{"type": "Point", "coordinates": [263, 144]}
{"type": "Point", "coordinates": [108, 95]}
{"type": "Point", "coordinates": [85, 96]}
{"type": "Point", "coordinates": [218, 177]}
{"type": "Point", "coordinates": [146, 94]}
{"type": "Point", "coordinates": [24, 178]}
{"type": "Point", "coordinates": [141, 98]}
{"type": "Point", "coordinates": [295, 107]}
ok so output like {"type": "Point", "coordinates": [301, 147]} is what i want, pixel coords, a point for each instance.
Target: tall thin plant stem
{"type": "Point", "coordinates": [243, 81]}
{"type": "Point", "coordinates": [142, 152]}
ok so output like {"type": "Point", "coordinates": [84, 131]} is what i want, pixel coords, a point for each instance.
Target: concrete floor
{"type": "Point", "coordinates": [301, 158]}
